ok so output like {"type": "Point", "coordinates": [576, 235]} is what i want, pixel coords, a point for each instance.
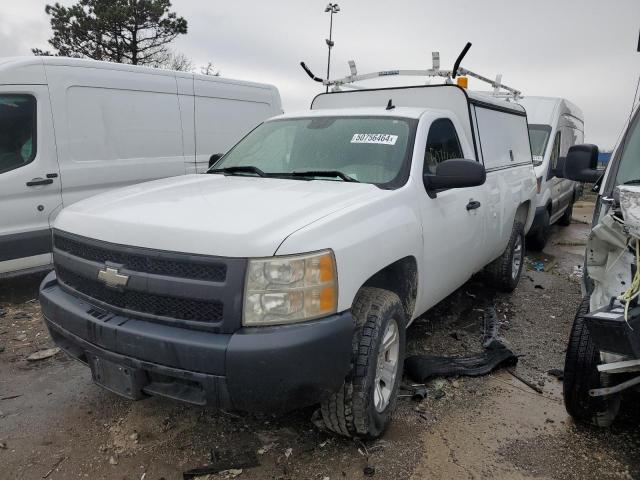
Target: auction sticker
{"type": "Point", "coordinates": [377, 138]}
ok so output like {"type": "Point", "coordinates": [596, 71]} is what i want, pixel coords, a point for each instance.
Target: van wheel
{"type": "Point", "coordinates": [538, 240]}
{"type": "Point", "coordinates": [581, 375]}
{"type": "Point", "coordinates": [504, 272]}
{"type": "Point", "coordinates": [565, 219]}
{"type": "Point", "coordinates": [364, 404]}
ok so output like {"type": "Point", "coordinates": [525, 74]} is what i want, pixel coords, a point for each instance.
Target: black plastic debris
{"type": "Point", "coordinates": [556, 372]}
{"type": "Point", "coordinates": [495, 354]}
{"type": "Point", "coordinates": [222, 461]}
{"type": "Point", "coordinates": [416, 392]}
{"type": "Point", "coordinates": [369, 471]}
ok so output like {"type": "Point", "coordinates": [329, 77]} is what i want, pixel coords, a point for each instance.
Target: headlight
{"type": "Point", "coordinates": [290, 289]}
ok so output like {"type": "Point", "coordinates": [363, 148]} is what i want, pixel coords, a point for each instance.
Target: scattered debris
{"type": "Point", "coordinates": [3, 445]}
{"type": "Point", "coordinates": [528, 383]}
{"type": "Point", "coordinates": [264, 449]}
{"type": "Point", "coordinates": [577, 273]}
{"type": "Point", "coordinates": [43, 354]}
{"type": "Point", "coordinates": [21, 337]}
{"type": "Point", "coordinates": [10, 397]}
{"type": "Point", "coordinates": [21, 316]}
{"type": "Point", "coordinates": [113, 460]}
{"type": "Point", "coordinates": [56, 465]}
{"type": "Point", "coordinates": [288, 452]}
{"type": "Point", "coordinates": [369, 471]}
{"type": "Point", "coordinates": [231, 463]}
{"type": "Point", "coordinates": [538, 266]}
{"type": "Point", "coordinates": [495, 354]}
{"type": "Point", "coordinates": [556, 372]}
{"type": "Point", "coordinates": [417, 392]}
{"type": "Point", "coordinates": [1, 348]}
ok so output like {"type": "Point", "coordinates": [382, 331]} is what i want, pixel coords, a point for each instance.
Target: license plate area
{"type": "Point", "coordinates": [118, 378]}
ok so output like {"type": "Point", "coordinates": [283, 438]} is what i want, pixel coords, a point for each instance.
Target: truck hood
{"type": "Point", "coordinates": [228, 216]}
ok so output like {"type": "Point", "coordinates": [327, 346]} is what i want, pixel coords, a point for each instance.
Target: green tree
{"type": "Point", "coordinates": [124, 31]}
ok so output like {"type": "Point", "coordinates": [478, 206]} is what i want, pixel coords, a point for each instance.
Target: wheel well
{"type": "Point", "coordinates": [522, 213]}
{"type": "Point", "coordinates": [401, 278]}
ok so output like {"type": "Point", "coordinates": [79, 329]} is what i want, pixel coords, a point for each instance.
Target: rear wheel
{"type": "Point", "coordinates": [581, 375]}
{"type": "Point", "coordinates": [504, 272]}
{"type": "Point", "coordinates": [364, 404]}
{"type": "Point", "coordinates": [538, 240]}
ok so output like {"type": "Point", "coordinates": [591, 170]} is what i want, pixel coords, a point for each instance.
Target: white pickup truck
{"type": "Point", "coordinates": [287, 275]}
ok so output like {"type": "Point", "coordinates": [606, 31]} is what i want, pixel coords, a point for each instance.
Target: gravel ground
{"type": "Point", "coordinates": [54, 423]}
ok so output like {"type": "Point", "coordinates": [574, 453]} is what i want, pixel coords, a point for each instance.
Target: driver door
{"type": "Point", "coordinates": [453, 222]}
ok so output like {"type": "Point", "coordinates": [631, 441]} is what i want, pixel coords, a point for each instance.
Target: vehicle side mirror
{"type": "Point", "coordinates": [581, 163]}
{"type": "Point", "coordinates": [214, 158]}
{"type": "Point", "coordinates": [457, 173]}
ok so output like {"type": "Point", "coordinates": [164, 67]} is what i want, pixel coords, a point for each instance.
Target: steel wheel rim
{"type": "Point", "coordinates": [387, 366]}
{"type": "Point", "coordinates": [517, 258]}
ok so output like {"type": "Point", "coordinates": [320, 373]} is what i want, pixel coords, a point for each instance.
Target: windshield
{"type": "Point", "coordinates": [629, 165]}
{"type": "Point", "coordinates": [539, 137]}
{"type": "Point", "coordinates": [365, 149]}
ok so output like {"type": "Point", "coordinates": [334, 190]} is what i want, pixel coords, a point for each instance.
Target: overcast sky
{"type": "Point", "coordinates": [584, 50]}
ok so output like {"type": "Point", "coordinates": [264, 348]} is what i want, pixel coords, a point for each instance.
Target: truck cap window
{"type": "Point", "coordinates": [17, 131]}
{"type": "Point", "coordinates": [539, 137]}
{"type": "Point", "coordinates": [365, 149]}
{"type": "Point", "coordinates": [442, 144]}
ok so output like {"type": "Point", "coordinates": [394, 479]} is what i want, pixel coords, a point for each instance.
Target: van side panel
{"type": "Point", "coordinates": [114, 128]}
{"type": "Point", "coordinates": [186, 103]}
{"type": "Point", "coordinates": [224, 113]}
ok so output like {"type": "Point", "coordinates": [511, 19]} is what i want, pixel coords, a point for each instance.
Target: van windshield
{"type": "Point", "coordinates": [364, 149]}
{"type": "Point", "coordinates": [17, 131]}
{"type": "Point", "coordinates": [539, 137]}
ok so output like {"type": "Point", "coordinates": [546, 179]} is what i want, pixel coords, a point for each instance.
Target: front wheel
{"type": "Point", "coordinates": [504, 272]}
{"type": "Point", "coordinates": [581, 375]}
{"type": "Point", "coordinates": [364, 404]}
{"type": "Point", "coordinates": [565, 219]}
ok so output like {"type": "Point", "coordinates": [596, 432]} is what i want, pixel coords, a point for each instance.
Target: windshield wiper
{"type": "Point", "coordinates": [238, 169]}
{"type": "Point", "coordinates": [324, 173]}
{"type": "Point", "coordinates": [635, 181]}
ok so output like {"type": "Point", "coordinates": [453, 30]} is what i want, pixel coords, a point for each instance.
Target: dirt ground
{"type": "Point", "coordinates": [54, 423]}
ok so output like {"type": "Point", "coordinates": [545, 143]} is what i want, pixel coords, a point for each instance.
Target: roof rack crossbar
{"type": "Point", "coordinates": [499, 89]}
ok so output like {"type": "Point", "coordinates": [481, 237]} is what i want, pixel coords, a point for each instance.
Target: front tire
{"type": "Point", "coordinates": [538, 240]}
{"type": "Point", "coordinates": [565, 219]}
{"type": "Point", "coordinates": [581, 375]}
{"type": "Point", "coordinates": [504, 272]}
{"type": "Point", "coordinates": [363, 406]}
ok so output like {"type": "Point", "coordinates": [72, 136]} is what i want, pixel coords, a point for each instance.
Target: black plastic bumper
{"type": "Point", "coordinates": [255, 369]}
{"type": "Point", "coordinates": [612, 333]}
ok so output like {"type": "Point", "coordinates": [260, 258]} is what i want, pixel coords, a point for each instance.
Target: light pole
{"type": "Point", "coordinates": [331, 8]}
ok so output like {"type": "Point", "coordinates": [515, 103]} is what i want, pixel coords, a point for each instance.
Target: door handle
{"type": "Point", "coordinates": [39, 181]}
{"type": "Point", "coordinates": [473, 204]}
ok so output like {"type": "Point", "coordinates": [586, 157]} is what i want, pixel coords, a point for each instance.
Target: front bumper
{"type": "Point", "coordinates": [254, 369]}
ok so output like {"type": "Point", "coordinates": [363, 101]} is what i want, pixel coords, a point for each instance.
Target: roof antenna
{"type": "Point", "coordinates": [390, 105]}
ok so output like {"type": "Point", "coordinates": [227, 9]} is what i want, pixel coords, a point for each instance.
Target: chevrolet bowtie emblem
{"type": "Point", "coordinates": [112, 277]}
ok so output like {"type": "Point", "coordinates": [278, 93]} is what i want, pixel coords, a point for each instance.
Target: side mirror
{"type": "Point", "coordinates": [214, 158]}
{"type": "Point", "coordinates": [457, 173]}
{"type": "Point", "coordinates": [581, 163]}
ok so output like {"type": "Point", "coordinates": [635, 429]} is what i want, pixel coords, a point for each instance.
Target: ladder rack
{"type": "Point", "coordinates": [499, 89]}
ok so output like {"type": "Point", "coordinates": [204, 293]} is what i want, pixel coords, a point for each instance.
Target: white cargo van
{"type": "Point", "coordinates": [340, 226]}
{"type": "Point", "coordinates": [555, 124]}
{"type": "Point", "coordinates": [72, 128]}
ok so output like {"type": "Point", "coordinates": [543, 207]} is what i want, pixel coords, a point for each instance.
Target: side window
{"type": "Point", "coordinates": [17, 131]}
{"type": "Point", "coordinates": [442, 144]}
{"type": "Point", "coordinates": [555, 153]}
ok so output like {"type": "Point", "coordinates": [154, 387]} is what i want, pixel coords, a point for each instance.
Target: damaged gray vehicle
{"type": "Point", "coordinates": [603, 353]}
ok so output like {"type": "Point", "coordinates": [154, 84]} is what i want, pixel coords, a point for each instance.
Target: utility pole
{"type": "Point", "coordinates": [331, 8]}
